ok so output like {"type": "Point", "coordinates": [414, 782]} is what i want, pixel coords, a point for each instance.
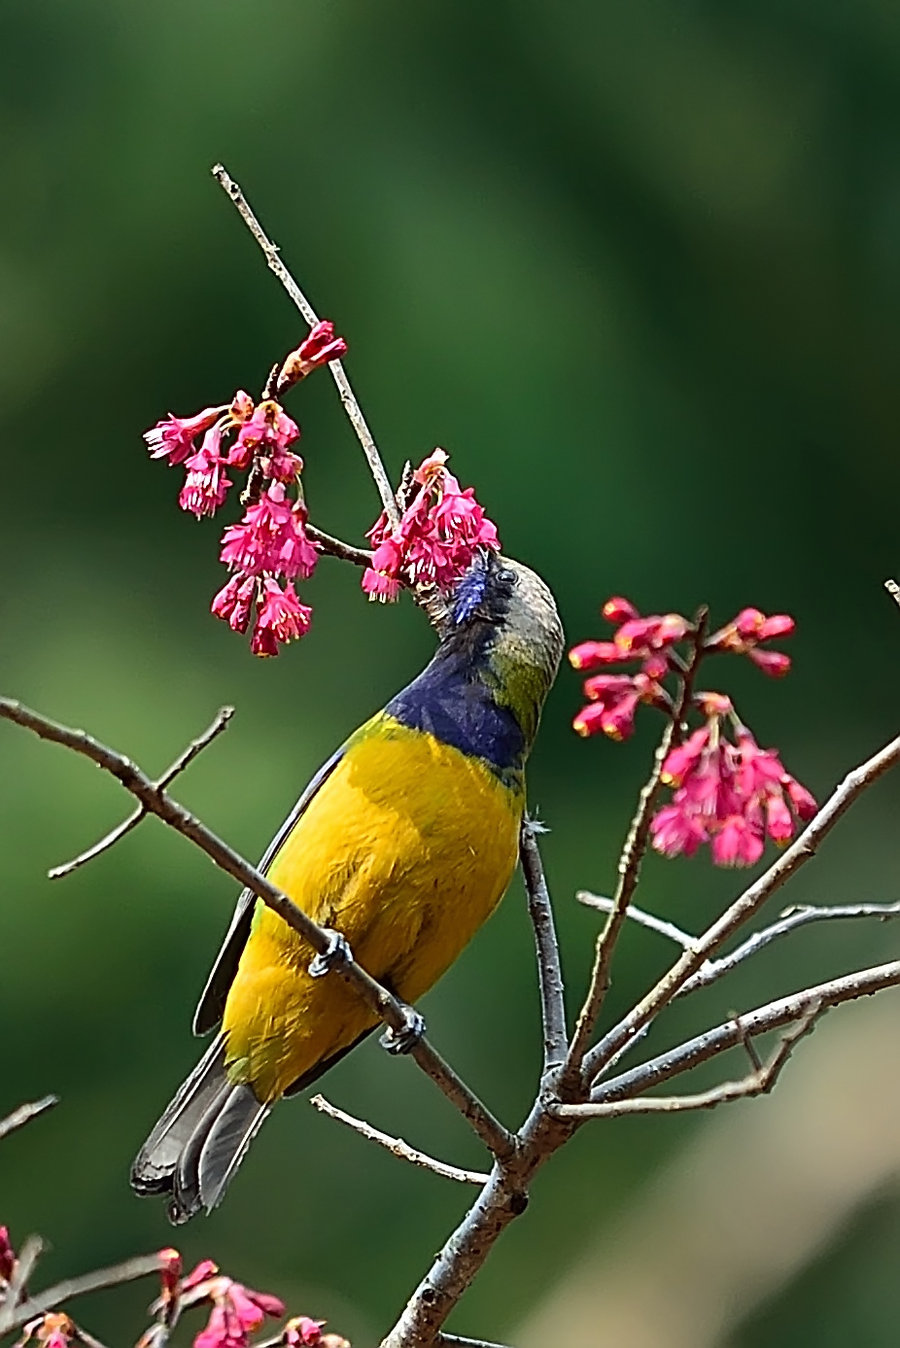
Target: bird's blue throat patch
{"type": "Point", "coordinates": [451, 702]}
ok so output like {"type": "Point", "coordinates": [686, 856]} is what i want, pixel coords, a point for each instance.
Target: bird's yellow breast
{"type": "Point", "coordinates": [406, 849]}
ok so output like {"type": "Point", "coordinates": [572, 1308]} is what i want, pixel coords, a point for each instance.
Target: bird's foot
{"type": "Point", "coordinates": [404, 1040]}
{"type": "Point", "coordinates": [337, 952]}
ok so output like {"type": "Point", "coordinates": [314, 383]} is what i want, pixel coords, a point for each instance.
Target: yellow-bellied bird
{"type": "Point", "coordinates": [404, 843]}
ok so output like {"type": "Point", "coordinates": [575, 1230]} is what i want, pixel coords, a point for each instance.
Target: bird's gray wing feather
{"type": "Point", "coordinates": [212, 1002]}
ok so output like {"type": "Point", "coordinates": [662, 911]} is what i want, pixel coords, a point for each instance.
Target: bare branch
{"type": "Point", "coordinates": [629, 872]}
{"type": "Point", "coordinates": [271, 253]}
{"type": "Point", "coordinates": [396, 1146]}
{"type": "Point", "coordinates": [540, 908]}
{"type": "Point", "coordinates": [743, 908]}
{"type": "Point", "coordinates": [638, 915]}
{"type": "Point", "coordinates": [791, 919]}
{"type": "Point", "coordinates": [383, 1004]}
{"type": "Point", "coordinates": [759, 1081]}
{"type": "Point", "coordinates": [772, 1016]}
{"type": "Point", "coordinates": [141, 1266]}
{"type": "Point", "coordinates": [184, 759]}
{"type": "Point", "coordinates": [25, 1113]}
{"type": "Point", "coordinates": [335, 547]}
{"type": "Point", "coordinates": [462, 1342]}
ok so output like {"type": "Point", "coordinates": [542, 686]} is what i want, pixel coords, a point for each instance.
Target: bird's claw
{"type": "Point", "coordinates": [337, 952]}
{"type": "Point", "coordinates": [404, 1040]}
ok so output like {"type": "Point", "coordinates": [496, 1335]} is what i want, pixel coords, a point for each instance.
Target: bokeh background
{"type": "Point", "coordinates": [637, 267]}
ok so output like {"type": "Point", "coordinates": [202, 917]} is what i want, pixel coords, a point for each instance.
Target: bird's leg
{"type": "Point", "coordinates": [405, 1039]}
{"type": "Point", "coordinates": [337, 952]}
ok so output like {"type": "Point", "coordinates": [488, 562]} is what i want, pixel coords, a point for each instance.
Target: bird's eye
{"type": "Point", "coordinates": [508, 576]}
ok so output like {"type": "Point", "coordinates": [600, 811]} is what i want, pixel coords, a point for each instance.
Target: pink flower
{"type": "Point", "coordinates": [803, 801]}
{"type": "Point", "coordinates": [779, 820]}
{"type": "Point", "coordinates": [436, 539]}
{"type": "Point", "coordinates": [738, 841]}
{"type": "Point", "coordinates": [774, 663]}
{"type": "Point", "coordinates": [592, 654]}
{"type": "Point", "coordinates": [269, 429]}
{"type": "Point", "coordinates": [170, 1268]}
{"type": "Point", "coordinates": [619, 610]}
{"type": "Point", "coordinates": [235, 600]}
{"type": "Point", "coordinates": [236, 1313]}
{"type": "Point", "coordinates": [747, 630]}
{"type": "Point", "coordinates": [302, 1332]}
{"type": "Point", "coordinates": [173, 438]}
{"type": "Point", "coordinates": [675, 831]}
{"type": "Point", "coordinates": [320, 347]}
{"type": "Point", "coordinates": [53, 1329]}
{"type": "Point", "coordinates": [684, 758]}
{"type": "Point", "coordinates": [279, 617]}
{"type": "Point", "coordinates": [206, 485]}
{"type": "Point", "coordinates": [271, 537]}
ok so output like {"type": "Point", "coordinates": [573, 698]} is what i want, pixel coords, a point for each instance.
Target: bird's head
{"type": "Point", "coordinates": [509, 615]}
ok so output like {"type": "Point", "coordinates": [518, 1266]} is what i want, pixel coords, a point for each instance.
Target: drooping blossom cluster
{"type": "Point", "coordinates": [236, 1310]}
{"type": "Point", "coordinates": [436, 540]}
{"type": "Point", "coordinates": [726, 791]}
{"type": "Point", "coordinates": [269, 549]}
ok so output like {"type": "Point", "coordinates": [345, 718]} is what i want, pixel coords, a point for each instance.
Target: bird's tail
{"type": "Point", "coordinates": [201, 1139]}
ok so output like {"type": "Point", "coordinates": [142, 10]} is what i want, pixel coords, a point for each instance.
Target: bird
{"type": "Point", "coordinates": [402, 845]}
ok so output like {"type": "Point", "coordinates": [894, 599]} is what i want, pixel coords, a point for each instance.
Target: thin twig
{"type": "Point", "coordinates": [628, 874]}
{"type": "Point", "coordinates": [793, 918]}
{"type": "Point", "coordinates": [772, 1016]}
{"type": "Point", "coordinates": [384, 1005]}
{"type": "Point", "coordinates": [638, 915]}
{"type": "Point", "coordinates": [397, 1147]}
{"type": "Point", "coordinates": [743, 908]}
{"type": "Point", "coordinates": [25, 1113]}
{"type": "Point", "coordinates": [759, 1081]}
{"type": "Point", "coordinates": [141, 1266]}
{"type": "Point", "coordinates": [335, 547]}
{"type": "Point", "coordinates": [461, 1341]}
{"type": "Point", "coordinates": [351, 406]}
{"type": "Point", "coordinates": [23, 1268]}
{"type": "Point", "coordinates": [184, 759]}
{"type": "Point", "coordinates": [540, 909]}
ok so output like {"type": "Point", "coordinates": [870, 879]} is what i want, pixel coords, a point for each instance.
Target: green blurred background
{"type": "Point", "coordinates": [637, 267]}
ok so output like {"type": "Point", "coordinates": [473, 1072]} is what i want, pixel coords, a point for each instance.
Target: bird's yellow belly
{"type": "Point", "coordinates": [406, 849]}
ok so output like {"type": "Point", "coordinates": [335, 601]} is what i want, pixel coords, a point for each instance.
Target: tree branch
{"type": "Point", "coordinates": [25, 1113]}
{"type": "Point", "coordinates": [396, 1146]}
{"type": "Point", "coordinates": [638, 915]}
{"type": "Point", "coordinates": [382, 1003]}
{"type": "Point", "coordinates": [772, 1016]}
{"type": "Point", "coordinates": [792, 918]}
{"type": "Point", "coordinates": [757, 1082]}
{"type": "Point", "coordinates": [335, 547]}
{"type": "Point", "coordinates": [271, 253]}
{"type": "Point", "coordinates": [629, 873]}
{"type": "Point", "coordinates": [540, 909]}
{"type": "Point", "coordinates": [184, 759]}
{"type": "Point", "coordinates": [743, 908]}
{"type": "Point", "coordinates": [141, 1266]}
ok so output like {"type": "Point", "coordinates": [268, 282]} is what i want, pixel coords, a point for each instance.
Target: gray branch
{"type": "Point", "coordinates": [550, 980]}
{"type": "Point", "coordinates": [396, 1146]}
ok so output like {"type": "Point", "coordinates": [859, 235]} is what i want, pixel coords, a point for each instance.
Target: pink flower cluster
{"type": "Point", "coordinates": [237, 1311]}
{"type": "Point", "coordinates": [728, 793]}
{"type": "Point", "coordinates": [438, 535]}
{"type": "Point", "coordinates": [269, 549]}
{"type": "Point", "coordinates": [7, 1256]}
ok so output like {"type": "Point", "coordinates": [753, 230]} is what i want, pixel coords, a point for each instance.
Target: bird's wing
{"type": "Point", "coordinates": [212, 1002]}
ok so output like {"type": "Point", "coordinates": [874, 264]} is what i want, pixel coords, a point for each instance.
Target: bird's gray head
{"type": "Point", "coordinates": [523, 636]}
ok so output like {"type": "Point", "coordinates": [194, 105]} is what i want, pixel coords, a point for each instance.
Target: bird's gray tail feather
{"type": "Point", "coordinates": [201, 1139]}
